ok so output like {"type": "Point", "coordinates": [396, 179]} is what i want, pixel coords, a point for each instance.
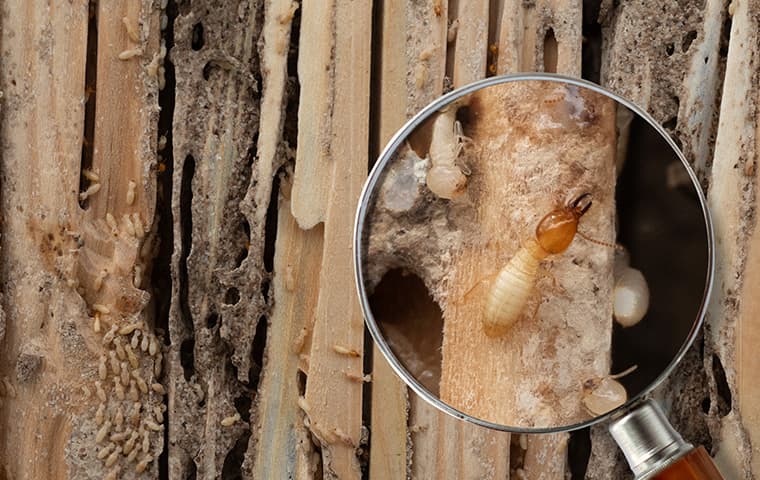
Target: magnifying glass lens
{"type": "Point", "coordinates": [532, 253]}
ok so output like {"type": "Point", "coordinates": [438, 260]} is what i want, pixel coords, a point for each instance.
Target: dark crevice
{"type": "Point", "coordinates": [301, 383]}
{"type": "Point", "coordinates": [161, 275]}
{"type": "Point", "coordinates": [192, 471]}
{"type": "Point", "coordinates": [375, 81]}
{"type": "Point", "coordinates": [187, 358]}
{"type": "Point", "coordinates": [723, 392]}
{"type": "Point", "coordinates": [257, 353]}
{"type": "Point", "coordinates": [550, 52]}
{"type": "Point", "coordinates": [494, 17]}
{"type": "Point", "coordinates": [688, 39]}
{"type": "Point", "coordinates": [243, 406]}
{"type": "Point", "coordinates": [212, 321]}
{"type": "Point", "coordinates": [270, 226]}
{"type": "Point", "coordinates": [186, 231]}
{"type": "Point", "coordinates": [578, 453]}
{"type": "Point", "coordinates": [232, 296]}
{"type": "Point", "coordinates": [591, 52]}
{"type": "Point", "coordinates": [197, 41]}
{"type": "Point", "coordinates": [367, 400]}
{"type": "Point", "coordinates": [90, 82]}
{"type": "Point", "coordinates": [233, 462]}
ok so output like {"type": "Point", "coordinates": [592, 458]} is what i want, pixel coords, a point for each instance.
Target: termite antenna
{"type": "Point", "coordinates": [616, 246]}
{"type": "Point", "coordinates": [625, 372]}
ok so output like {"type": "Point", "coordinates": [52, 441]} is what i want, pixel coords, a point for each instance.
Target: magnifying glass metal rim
{"type": "Point", "coordinates": [361, 214]}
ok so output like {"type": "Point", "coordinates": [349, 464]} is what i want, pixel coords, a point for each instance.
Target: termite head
{"type": "Point", "coordinates": [557, 229]}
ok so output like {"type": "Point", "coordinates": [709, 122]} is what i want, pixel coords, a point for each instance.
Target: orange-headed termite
{"type": "Point", "coordinates": [513, 285]}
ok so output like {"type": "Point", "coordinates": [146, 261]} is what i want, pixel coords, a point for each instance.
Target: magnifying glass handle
{"type": "Point", "coordinates": [655, 451]}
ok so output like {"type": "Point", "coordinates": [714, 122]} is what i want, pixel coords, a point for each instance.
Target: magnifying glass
{"type": "Point", "coordinates": [533, 254]}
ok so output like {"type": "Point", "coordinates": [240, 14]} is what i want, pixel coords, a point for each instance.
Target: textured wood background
{"type": "Point", "coordinates": [247, 128]}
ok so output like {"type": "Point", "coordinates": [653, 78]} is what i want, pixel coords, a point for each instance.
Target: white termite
{"type": "Point", "coordinates": [349, 352]}
{"type": "Point", "coordinates": [119, 348]}
{"type": "Point", "coordinates": [231, 420]}
{"type": "Point", "coordinates": [103, 432]}
{"type": "Point", "coordinates": [132, 30]}
{"type": "Point", "coordinates": [602, 394]}
{"type": "Point", "coordinates": [102, 368]}
{"type": "Point", "coordinates": [111, 221]}
{"type": "Point", "coordinates": [129, 227]}
{"type": "Point", "coordinates": [118, 389]}
{"type": "Point", "coordinates": [143, 464]}
{"type": "Point", "coordinates": [91, 190]}
{"type": "Point", "coordinates": [113, 474]}
{"type": "Point", "coordinates": [133, 360]}
{"type": "Point", "coordinates": [131, 192]}
{"type": "Point", "coordinates": [514, 283]}
{"type": "Point", "coordinates": [100, 308]}
{"type": "Point", "coordinates": [105, 451]}
{"type": "Point", "coordinates": [158, 388]}
{"type": "Point", "coordinates": [100, 392]}
{"type": "Point", "coordinates": [630, 294]}
{"type": "Point", "coordinates": [100, 414]}
{"type": "Point", "coordinates": [111, 460]}
{"type": "Point", "coordinates": [124, 374]}
{"type": "Point", "coordinates": [445, 178]}
{"type": "Point", "coordinates": [90, 175]}
{"type": "Point", "coordinates": [130, 53]}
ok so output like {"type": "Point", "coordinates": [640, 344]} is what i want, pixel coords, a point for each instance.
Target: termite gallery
{"type": "Point", "coordinates": [514, 283]}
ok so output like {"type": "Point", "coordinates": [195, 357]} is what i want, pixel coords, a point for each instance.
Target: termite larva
{"type": "Point", "coordinates": [98, 283]}
{"type": "Point", "coordinates": [102, 369]}
{"type": "Point", "coordinates": [132, 456]}
{"type": "Point", "coordinates": [119, 349]}
{"type": "Point", "coordinates": [134, 395]}
{"type": "Point", "coordinates": [445, 178]}
{"type": "Point", "coordinates": [101, 435]}
{"type": "Point", "coordinates": [140, 382]}
{"type": "Point", "coordinates": [231, 420]}
{"type": "Point", "coordinates": [105, 451]}
{"type": "Point", "coordinates": [152, 346]}
{"type": "Point", "coordinates": [91, 190]}
{"type": "Point", "coordinates": [131, 30]}
{"type": "Point", "coordinates": [110, 334]}
{"type": "Point", "coordinates": [130, 443]}
{"type": "Point", "coordinates": [101, 309]}
{"type": "Point", "coordinates": [127, 329]}
{"type": "Point", "coordinates": [100, 414]}
{"type": "Point", "coordinates": [113, 474]}
{"type": "Point", "coordinates": [118, 418]}
{"type": "Point", "coordinates": [128, 225]}
{"type": "Point", "coordinates": [600, 395]}
{"type": "Point", "coordinates": [144, 343]}
{"type": "Point", "coordinates": [158, 388]}
{"type": "Point", "coordinates": [139, 229]}
{"type": "Point", "coordinates": [118, 389]}
{"type": "Point", "coordinates": [131, 192]}
{"type": "Point", "coordinates": [140, 467]}
{"type": "Point", "coordinates": [124, 374]}
{"type": "Point", "coordinates": [131, 53]}
{"type": "Point", "coordinates": [133, 361]}
{"type": "Point", "coordinates": [153, 425]}
{"type": "Point", "coordinates": [513, 285]}
{"type": "Point", "coordinates": [111, 460]}
{"type": "Point", "coordinates": [114, 362]}
{"type": "Point", "coordinates": [145, 442]}
{"type": "Point", "coordinates": [118, 437]}
{"type": "Point", "coordinates": [349, 352]}
{"type": "Point", "coordinates": [96, 323]}
{"type": "Point", "coordinates": [630, 294]}
{"type": "Point", "coordinates": [90, 175]}
{"type": "Point", "coordinates": [100, 392]}
{"type": "Point", "coordinates": [111, 221]}
{"type": "Point", "coordinates": [158, 365]}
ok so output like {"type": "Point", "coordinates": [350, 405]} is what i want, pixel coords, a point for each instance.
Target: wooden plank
{"type": "Point", "coordinates": [41, 142]}
{"type": "Point", "coordinates": [338, 324]}
{"type": "Point", "coordinates": [86, 265]}
{"type": "Point", "coordinates": [733, 325]}
{"type": "Point", "coordinates": [279, 444]}
{"type": "Point", "coordinates": [527, 29]}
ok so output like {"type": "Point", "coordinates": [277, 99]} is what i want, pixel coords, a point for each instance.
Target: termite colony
{"type": "Point", "coordinates": [127, 386]}
{"type": "Point", "coordinates": [155, 69]}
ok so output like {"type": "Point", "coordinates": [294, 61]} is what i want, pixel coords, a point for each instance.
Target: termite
{"type": "Point", "coordinates": [118, 419]}
{"type": "Point", "coordinates": [513, 285]}
{"type": "Point", "coordinates": [600, 395]}
{"type": "Point", "coordinates": [101, 435]}
{"type": "Point", "coordinates": [445, 178]}
{"type": "Point", "coordinates": [118, 389]}
{"type": "Point", "coordinates": [231, 420]}
{"type": "Point", "coordinates": [131, 53]}
{"type": "Point", "coordinates": [100, 414]}
{"type": "Point", "coordinates": [158, 388]}
{"type": "Point", "coordinates": [341, 350]}
{"type": "Point", "coordinates": [90, 175]}
{"type": "Point", "coordinates": [630, 294]}
{"type": "Point", "coordinates": [113, 475]}
{"type": "Point", "coordinates": [91, 190]}
{"type": "Point", "coordinates": [105, 451]}
{"type": "Point", "coordinates": [102, 369]}
{"type": "Point", "coordinates": [140, 467]}
{"type": "Point", "coordinates": [131, 30]}
{"type": "Point", "coordinates": [111, 460]}
{"type": "Point", "coordinates": [100, 392]}
{"type": "Point", "coordinates": [111, 221]}
{"type": "Point", "coordinates": [131, 192]}
{"type": "Point", "coordinates": [101, 309]}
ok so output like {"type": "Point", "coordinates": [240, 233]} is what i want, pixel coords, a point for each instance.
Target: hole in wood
{"type": "Point", "coordinates": [232, 296]}
{"type": "Point", "coordinates": [412, 324]}
{"type": "Point", "coordinates": [723, 391]}
{"type": "Point", "coordinates": [187, 358]}
{"type": "Point", "coordinates": [197, 41]}
{"type": "Point", "coordinates": [688, 39]}
{"type": "Point", "coordinates": [550, 52]}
